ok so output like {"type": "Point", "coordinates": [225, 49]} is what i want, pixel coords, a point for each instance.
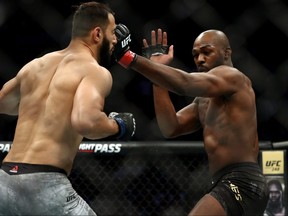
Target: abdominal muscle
{"type": "Point", "coordinates": [223, 154]}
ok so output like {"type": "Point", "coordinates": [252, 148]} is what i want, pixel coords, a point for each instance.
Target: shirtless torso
{"type": "Point", "coordinates": [224, 107]}
{"type": "Point", "coordinates": [224, 120]}
{"type": "Point", "coordinates": [49, 87]}
{"type": "Point", "coordinates": [59, 99]}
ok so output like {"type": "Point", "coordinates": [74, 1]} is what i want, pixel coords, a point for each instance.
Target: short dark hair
{"type": "Point", "coordinates": [89, 15]}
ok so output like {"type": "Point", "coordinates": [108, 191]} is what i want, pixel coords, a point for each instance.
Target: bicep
{"type": "Point", "coordinates": [90, 97]}
{"type": "Point", "coordinates": [91, 93]}
{"type": "Point", "coordinates": [217, 82]}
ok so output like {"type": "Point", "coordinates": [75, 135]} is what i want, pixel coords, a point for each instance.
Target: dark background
{"type": "Point", "coordinates": [258, 33]}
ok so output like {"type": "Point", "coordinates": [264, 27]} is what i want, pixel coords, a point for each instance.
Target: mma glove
{"type": "Point", "coordinates": [126, 123]}
{"type": "Point", "coordinates": [153, 50]}
{"type": "Point", "coordinates": [122, 53]}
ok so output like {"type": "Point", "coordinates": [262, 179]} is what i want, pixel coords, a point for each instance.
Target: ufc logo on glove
{"type": "Point", "coordinates": [126, 41]}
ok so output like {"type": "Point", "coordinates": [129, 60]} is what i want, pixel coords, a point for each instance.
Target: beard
{"type": "Point", "coordinates": [105, 57]}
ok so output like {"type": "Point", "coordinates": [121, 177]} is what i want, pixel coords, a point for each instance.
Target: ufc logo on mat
{"type": "Point", "coordinates": [126, 41]}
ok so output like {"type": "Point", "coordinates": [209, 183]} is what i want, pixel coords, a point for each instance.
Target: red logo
{"type": "Point", "coordinates": [14, 169]}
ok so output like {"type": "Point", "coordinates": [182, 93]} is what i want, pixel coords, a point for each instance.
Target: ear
{"type": "Point", "coordinates": [97, 34]}
{"type": "Point", "coordinates": [228, 53]}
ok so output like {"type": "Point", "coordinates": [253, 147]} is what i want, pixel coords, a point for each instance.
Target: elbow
{"type": "Point", "coordinates": [95, 128]}
{"type": "Point", "coordinates": [169, 134]}
{"type": "Point", "coordinates": [86, 129]}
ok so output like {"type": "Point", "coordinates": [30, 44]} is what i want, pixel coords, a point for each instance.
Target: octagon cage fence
{"type": "Point", "coordinates": [152, 178]}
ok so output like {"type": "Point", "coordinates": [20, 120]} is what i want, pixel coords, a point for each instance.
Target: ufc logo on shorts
{"type": "Point", "coordinates": [70, 198]}
{"type": "Point", "coordinates": [236, 192]}
{"type": "Point", "coordinates": [126, 41]}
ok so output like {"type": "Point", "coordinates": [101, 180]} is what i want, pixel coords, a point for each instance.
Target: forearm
{"type": "Point", "coordinates": [165, 76]}
{"type": "Point", "coordinates": [96, 127]}
{"type": "Point", "coordinates": [9, 106]}
{"type": "Point", "coordinates": [120, 126]}
{"type": "Point", "coordinates": [9, 111]}
{"type": "Point", "coordinates": [173, 123]}
{"type": "Point", "coordinates": [10, 97]}
{"type": "Point", "coordinates": [171, 78]}
{"type": "Point", "coordinates": [165, 112]}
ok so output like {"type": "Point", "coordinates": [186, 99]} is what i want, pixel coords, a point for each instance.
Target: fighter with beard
{"type": "Point", "coordinates": [59, 100]}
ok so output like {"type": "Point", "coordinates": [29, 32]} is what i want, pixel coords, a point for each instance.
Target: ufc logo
{"type": "Point", "coordinates": [71, 197]}
{"type": "Point", "coordinates": [236, 192]}
{"type": "Point", "coordinates": [126, 41]}
{"type": "Point", "coordinates": [273, 163]}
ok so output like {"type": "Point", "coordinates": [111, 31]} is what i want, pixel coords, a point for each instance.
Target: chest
{"type": "Point", "coordinates": [211, 109]}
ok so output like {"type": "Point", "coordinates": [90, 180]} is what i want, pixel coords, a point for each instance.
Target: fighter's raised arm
{"type": "Point", "coordinates": [171, 123]}
{"type": "Point", "coordinates": [174, 79]}
{"type": "Point", "coordinates": [224, 106]}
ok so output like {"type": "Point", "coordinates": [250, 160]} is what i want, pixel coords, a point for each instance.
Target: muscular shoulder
{"type": "Point", "coordinates": [224, 70]}
{"type": "Point", "coordinates": [97, 77]}
{"type": "Point", "coordinates": [79, 65]}
{"type": "Point", "coordinates": [47, 62]}
{"type": "Point", "coordinates": [225, 80]}
{"type": "Point", "coordinates": [230, 75]}
{"type": "Point", "coordinates": [93, 70]}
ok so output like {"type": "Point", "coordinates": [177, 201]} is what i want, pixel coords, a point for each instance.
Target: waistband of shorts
{"type": "Point", "coordinates": [238, 167]}
{"type": "Point", "coordinates": [14, 168]}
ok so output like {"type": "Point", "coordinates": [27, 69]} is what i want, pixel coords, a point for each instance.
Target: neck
{"type": "Point", "coordinates": [90, 50]}
{"type": "Point", "coordinates": [80, 44]}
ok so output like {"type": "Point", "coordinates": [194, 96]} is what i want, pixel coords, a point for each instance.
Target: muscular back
{"type": "Point", "coordinates": [44, 132]}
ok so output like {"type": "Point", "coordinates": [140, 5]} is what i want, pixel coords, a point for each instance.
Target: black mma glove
{"type": "Point", "coordinates": [122, 52]}
{"type": "Point", "coordinates": [126, 123]}
{"type": "Point", "coordinates": [151, 50]}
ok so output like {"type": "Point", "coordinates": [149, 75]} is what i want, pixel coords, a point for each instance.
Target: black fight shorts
{"type": "Point", "coordinates": [13, 168]}
{"type": "Point", "coordinates": [241, 189]}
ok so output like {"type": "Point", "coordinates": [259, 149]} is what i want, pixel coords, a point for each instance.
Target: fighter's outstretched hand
{"type": "Point", "coordinates": [158, 50]}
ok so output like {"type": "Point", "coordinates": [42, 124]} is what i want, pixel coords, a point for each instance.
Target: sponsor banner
{"type": "Point", "coordinates": [273, 162]}
{"type": "Point", "coordinates": [88, 147]}
{"type": "Point", "coordinates": [100, 147]}
{"type": "Point", "coordinates": [5, 147]}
